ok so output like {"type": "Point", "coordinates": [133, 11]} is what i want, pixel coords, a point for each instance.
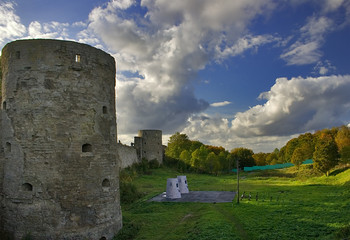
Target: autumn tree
{"type": "Point", "coordinates": [260, 158]}
{"type": "Point", "coordinates": [342, 140]}
{"type": "Point", "coordinates": [298, 156]}
{"type": "Point", "coordinates": [326, 155]}
{"type": "Point", "coordinates": [244, 155]}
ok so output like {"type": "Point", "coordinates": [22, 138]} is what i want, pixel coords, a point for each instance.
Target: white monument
{"type": "Point", "coordinates": [183, 184]}
{"type": "Point", "coordinates": [172, 188]}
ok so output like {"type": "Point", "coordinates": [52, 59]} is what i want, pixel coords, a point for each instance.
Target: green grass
{"type": "Point", "coordinates": [290, 206]}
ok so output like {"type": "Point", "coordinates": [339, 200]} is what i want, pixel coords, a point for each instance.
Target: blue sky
{"type": "Point", "coordinates": [243, 73]}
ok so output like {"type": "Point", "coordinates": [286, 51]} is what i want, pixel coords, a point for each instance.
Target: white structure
{"type": "Point", "coordinates": [183, 184]}
{"type": "Point", "coordinates": [172, 188]}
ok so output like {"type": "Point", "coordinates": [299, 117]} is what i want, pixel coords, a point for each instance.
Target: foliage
{"type": "Point", "coordinates": [244, 156]}
{"type": "Point", "coordinates": [260, 158]}
{"type": "Point", "coordinates": [298, 156]}
{"type": "Point", "coordinates": [326, 153]}
{"type": "Point", "coordinates": [177, 143]}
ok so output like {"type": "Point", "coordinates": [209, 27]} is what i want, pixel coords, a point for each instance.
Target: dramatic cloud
{"type": "Point", "coordinates": [297, 105]}
{"type": "Point", "coordinates": [10, 23]}
{"type": "Point", "coordinates": [164, 49]}
{"type": "Point", "coordinates": [293, 107]}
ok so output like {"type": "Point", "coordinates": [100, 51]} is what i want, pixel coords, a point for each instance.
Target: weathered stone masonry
{"type": "Point", "coordinates": [59, 167]}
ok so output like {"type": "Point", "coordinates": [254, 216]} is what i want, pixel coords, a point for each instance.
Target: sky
{"type": "Point", "coordinates": [243, 73]}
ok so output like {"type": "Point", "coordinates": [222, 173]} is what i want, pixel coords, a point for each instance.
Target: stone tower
{"type": "Point", "coordinates": [149, 145]}
{"type": "Point", "coordinates": [60, 167]}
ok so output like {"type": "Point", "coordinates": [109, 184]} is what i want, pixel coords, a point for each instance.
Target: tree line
{"type": "Point", "coordinates": [326, 147]}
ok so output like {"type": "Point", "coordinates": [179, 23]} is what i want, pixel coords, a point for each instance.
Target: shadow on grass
{"type": "Point", "coordinates": [340, 170]}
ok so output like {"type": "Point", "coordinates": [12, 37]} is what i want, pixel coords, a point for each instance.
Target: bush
{"type": "Point", "coordinates": [153, 164]}
{"type": "Point", "coordinates": [129, 193]}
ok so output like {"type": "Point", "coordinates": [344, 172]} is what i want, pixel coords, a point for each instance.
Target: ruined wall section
{"type": "Point", "coordinates": [61, 169]}
{"type": "Point", "coordinates": [151, 145]}
{"type": "Point", "coordinates": [127, 154]}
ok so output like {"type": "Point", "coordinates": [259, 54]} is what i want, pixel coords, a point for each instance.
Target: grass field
{"type": "Point", "coordinates": [289, 206]}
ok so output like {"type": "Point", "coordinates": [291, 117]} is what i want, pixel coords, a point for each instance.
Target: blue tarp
{"type": "Point", "coordinates": [269, 167]}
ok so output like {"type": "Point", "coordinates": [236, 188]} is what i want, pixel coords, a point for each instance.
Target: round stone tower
{"type": "Point", "coordinates": [61, 170]}
{"type": "Point", "coordinates": [150, 144]}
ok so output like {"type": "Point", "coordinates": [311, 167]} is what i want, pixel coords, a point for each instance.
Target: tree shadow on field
{"type": "Point", "coordinates": [340, 170]}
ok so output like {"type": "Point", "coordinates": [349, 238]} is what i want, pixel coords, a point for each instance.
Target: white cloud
{"type": "Point", "coordinates": [220, 104]}
{"type": "Point", "coordinates": [167, 47]}
{"type": "Point", "coordinates": [243, 44]}
{"type": "Point", "coordinates": [306, 50]}
{"type": "Point", "coordinates": [48, 30]}
{"type": "Point", "coordinates": [10, 24]}
{"type": "Point", "coordinates": [324, 67]}
{"type": "Point", "coordinates": [297, 105]}
{"type": "Point", "coordinates": [217, 131]}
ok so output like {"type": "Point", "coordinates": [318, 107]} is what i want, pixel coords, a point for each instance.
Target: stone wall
{"type": "Point", "coordinates": [61, 167]}
{"type": "Point", "coordinates": [127, 155]}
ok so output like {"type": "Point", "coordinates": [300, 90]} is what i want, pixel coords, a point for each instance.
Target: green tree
{"type": "Point", "coordinates": [177, 143]}
{"type": "Point", "coordinates": [224, 164]}
{"type": "Point", "coordinates": [326, 154]}
{"type": "Point", "coordinates": [212, 164]}
{"type": "Point", "coordinates": [244, 155]}
{"type": "Point", "coordinates": [298, 156]}
{"type": "Point", "coordinates": [185, 156]}
{"type": "Point", "coordinates": [272, 158]}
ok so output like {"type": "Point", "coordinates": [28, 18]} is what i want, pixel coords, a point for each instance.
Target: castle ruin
{"type": "Point", "coordinates": [147, 145]}
{"type": "Point", "coordinates": [59, 167]}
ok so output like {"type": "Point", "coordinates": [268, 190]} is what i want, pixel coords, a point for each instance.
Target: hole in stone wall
{"type": "Point", "coordinates": [8, 147]}
{"type": "Point", "coordinates": [4, 105]}
{"type": "Point", "coordinates": [18, 54]}
{"type": "Point", "coordinates": [106, 183]}
{"type": "Point", "coordinates": [103, 238]}
{"type": "Point", "coordinates": [77, 58]}
{"type": "Point", "coordinates": [27, 187]}
{"type": "Point", "coordinates": [104, 110]}
{"type": "Point", "coordinates": [86, 148]}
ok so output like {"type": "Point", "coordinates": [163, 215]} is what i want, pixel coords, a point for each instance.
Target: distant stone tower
{"type": "Point", "coordinates": [60, 167]}
{"type": "Point", "coordinates": [148, 144]}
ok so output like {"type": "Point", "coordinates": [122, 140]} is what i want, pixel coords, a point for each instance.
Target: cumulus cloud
{"type": "Point", "coordinates": [297, 105]}
{"type": "Point", "coordinates": [292, 107]}
{"type": "Point", "coordinates": [10, 23]}
{"type": "Point", "coordinates": [48, 30]}
{"type": "Point", "coordinates": [218, 131]}
{"type": "Point", "coordinates": [166, 48]}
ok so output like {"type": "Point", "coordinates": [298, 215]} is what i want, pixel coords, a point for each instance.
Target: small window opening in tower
{"type": "Point", "coordinates": [86, 148]}
{"type": "Point", "coordinates": [4, 105]}
{"type": "Point", "coordinates": [18, 55]}
{"type": "Point", "coordinates": [77, 58]}
{"type": "Point", "coordinates": [27, 187]}
{"type": "Point", "coordinates": [106, 183]}
{"type": "Point", "coordinates": [104, 110]}
{"type": "Point", "coordinates": [8, 147]}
